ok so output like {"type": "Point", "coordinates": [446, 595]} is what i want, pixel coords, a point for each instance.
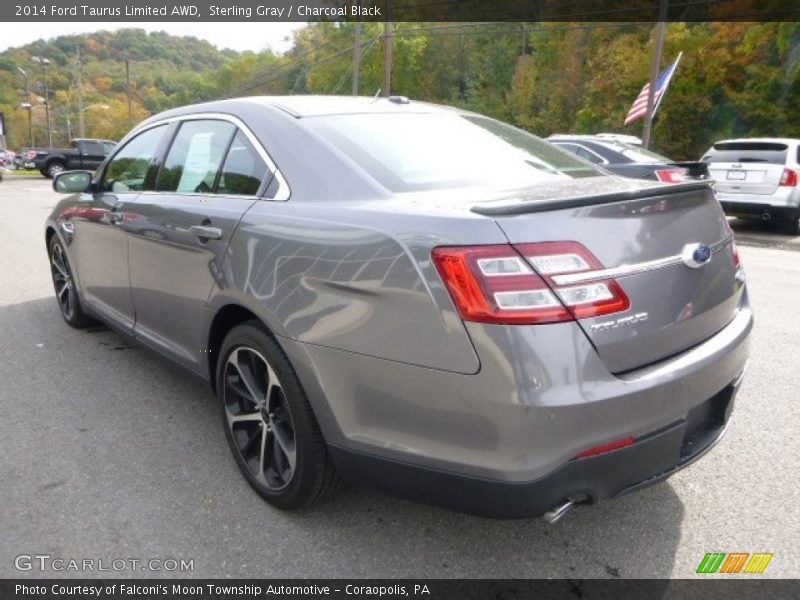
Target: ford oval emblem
{"type": "Point", "coordinates": [696, 255]}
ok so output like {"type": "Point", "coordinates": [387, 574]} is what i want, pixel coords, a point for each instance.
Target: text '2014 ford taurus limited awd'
{"type": "Point", "coordinates": [417, 297]}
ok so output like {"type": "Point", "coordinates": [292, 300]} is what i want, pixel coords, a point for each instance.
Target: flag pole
{"type": "Point", "coordinates": [660, 28]}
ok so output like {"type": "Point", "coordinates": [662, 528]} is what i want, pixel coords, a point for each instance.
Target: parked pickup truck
{"type": "Point", "coordinates": [82, 154]}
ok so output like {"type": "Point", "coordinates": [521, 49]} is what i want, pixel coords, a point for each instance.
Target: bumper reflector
{"type": "Point", "coordinates": [609, 447]}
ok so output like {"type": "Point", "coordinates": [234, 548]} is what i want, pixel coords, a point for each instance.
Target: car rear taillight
{"type": "Point", "coordinates": [493, 284]}
{"type": "Point", "coordinates": [676, 175]}
{"type": "Point", "coordinates": [514, 284]}
{"type": "Point", "coordinates": [788, 178]}
{"type": "Point", "coordinates": [31, 154]}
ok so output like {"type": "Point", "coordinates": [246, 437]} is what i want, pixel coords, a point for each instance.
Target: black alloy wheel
{"type": "Point", "coordinates": [64, 285]}
{"type": "Point", "coordinates": [268, 421]}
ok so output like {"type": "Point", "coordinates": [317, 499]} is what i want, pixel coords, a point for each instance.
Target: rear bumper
{"type": "Point", "coordinates": [502, 442]}
{"type": "Point", "coordinates": [757, 209]}
{"type": "Point", "coordinates": [784, 198]}
{"type": "Point", "coordinates": [652, 458]}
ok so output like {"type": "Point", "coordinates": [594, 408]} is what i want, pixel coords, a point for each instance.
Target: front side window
{"type": "Point", "coordinates": [244, 169]}
{"type": "Point", "coordinates": [410, 152]}
{"type": "Point", "coordinates": [133, 168]}
{"type": "Point", "coordinates": [194, 159]}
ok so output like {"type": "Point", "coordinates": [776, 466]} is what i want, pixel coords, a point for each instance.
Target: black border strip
{"type": "Point", "coordinates": [704, 587]}
{"type": "Point", "coordinates": [476, 11]}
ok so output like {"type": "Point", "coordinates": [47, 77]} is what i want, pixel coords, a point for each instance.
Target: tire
{"type": "Point", "coordinates": [791, 224]}
{"type": "Point", "coordinates": [268, 421]}
{"type": "Point", "coordinates": [54, 168]}
{"type": "Point", "coordinates": [69, 302]}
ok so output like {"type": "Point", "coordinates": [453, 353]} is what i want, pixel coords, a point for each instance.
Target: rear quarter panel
{"type": "Point", "coordinates": [353, 277]}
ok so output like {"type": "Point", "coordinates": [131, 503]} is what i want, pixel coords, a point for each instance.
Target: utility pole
{"type": "Point", "coordinates": [656, 67]}
{"type": "Point", "coordinates": [29, 106]}
{"type": "Point", "coordinates": [524, 39]}
{"type": "Point", "coordinates": [128, 87]}
{"type": "Point", "coordinates": [357, 52]}
{"type": "Point", "coordinates": [43, 62]}
{"type": "Point", "coordinates": [79, 81]}
{"type": "Point", "coordinates": [387, 51]}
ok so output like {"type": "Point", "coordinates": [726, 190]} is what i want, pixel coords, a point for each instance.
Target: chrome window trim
{"type": "Point", "coordinates": [281, 195]}
{"type": "Point", "coordinates": [633, 269]}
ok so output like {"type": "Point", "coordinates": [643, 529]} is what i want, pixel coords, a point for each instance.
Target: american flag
{"type": "Point", "coordinates": [639, 108]}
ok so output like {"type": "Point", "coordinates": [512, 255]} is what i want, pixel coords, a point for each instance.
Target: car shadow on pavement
{"type": "Point", "coordinates": [764, 234]}
{"type": "Point", "coordinates": [129, 452]}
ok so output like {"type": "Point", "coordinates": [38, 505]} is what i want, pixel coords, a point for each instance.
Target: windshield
{"type": "Point", "coordinates": [410, 152]}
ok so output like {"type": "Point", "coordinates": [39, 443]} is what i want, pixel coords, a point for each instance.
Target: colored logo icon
{"type": "Point", "coordinates": [734, 562]}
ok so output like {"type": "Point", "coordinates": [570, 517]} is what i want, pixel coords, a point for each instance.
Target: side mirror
{"type": "Point", "coordinates": [72, 182]}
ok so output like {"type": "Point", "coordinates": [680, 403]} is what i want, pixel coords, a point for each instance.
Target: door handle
{"type": "Point", "coordinates": [206, 233]}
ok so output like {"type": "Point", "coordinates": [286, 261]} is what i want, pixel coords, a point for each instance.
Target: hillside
{"type": "Point", "coordinates": [165, 71]}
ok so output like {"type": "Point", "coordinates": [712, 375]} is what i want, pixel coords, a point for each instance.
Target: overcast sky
{"type": "Point", "coordinates": [236, 36]}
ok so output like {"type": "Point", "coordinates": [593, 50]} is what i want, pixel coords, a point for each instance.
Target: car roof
{"type": "Point", "coordinates": [775, 140]}
{"type": "Point", "coordinates": [92, 140]}
{"type": "Point", "coordinates": [565, 137]}
{"type": "Point", "coordinates": [310, 106]}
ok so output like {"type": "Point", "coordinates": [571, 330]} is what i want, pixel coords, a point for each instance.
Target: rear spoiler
{"type": "Point", "coordinates": [694, 168]}
{"type": "Point", "coordinates": [521, 207]}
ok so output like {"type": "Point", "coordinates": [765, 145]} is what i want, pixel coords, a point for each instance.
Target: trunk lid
{"type": "Point", "coordinates": [643, 229]}
{"type": "Point", "coordinates": [747, 167]}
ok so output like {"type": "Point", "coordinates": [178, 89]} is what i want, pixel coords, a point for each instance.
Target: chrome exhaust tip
{"type": "Point", "coordinates": [558, 511]}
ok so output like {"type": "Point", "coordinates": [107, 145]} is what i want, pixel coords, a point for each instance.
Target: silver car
{"type": "Point", "coordinates": [413, 296]}
{"type": "Point", "coordinates": [758, 178]}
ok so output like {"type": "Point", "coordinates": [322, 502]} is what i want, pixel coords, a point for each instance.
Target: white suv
{"type": "Point", "coordinates": [758, 177]}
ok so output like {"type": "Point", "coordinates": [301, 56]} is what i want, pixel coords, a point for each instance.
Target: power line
{"type": "Point", "coordinates": [365, 48]}
{"type": "Point", "coordinates": [295, 60]}
{"type": "Point", "coordinates": [434, 29]}
{"type": "Point", "coordinates": [261, 82]}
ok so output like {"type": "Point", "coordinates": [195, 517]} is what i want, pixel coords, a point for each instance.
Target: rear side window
{"type": "Point", "coordinates": [243, 170]}
{"type": "Point", "coordinates": [420, 151]}
{"type": "Point", "coordinates": [747, 152]}
{"type": "Point", "coordinates": [133, 168]}
{"type": "Point", "coordinates": [582, 152]}
{"type": "Point", "coordinates": [637, 154]}
{"type": "Point", "coordinates": [93, 149]}
{"type": "Point", "coordinates": [195, 156]}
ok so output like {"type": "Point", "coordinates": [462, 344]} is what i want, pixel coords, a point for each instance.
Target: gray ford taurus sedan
{"type": "Point", "coordinates": [413, 296]}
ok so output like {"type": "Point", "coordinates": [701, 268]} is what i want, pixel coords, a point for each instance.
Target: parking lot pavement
{"type": "Point", "coordinates": [109, 452]}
